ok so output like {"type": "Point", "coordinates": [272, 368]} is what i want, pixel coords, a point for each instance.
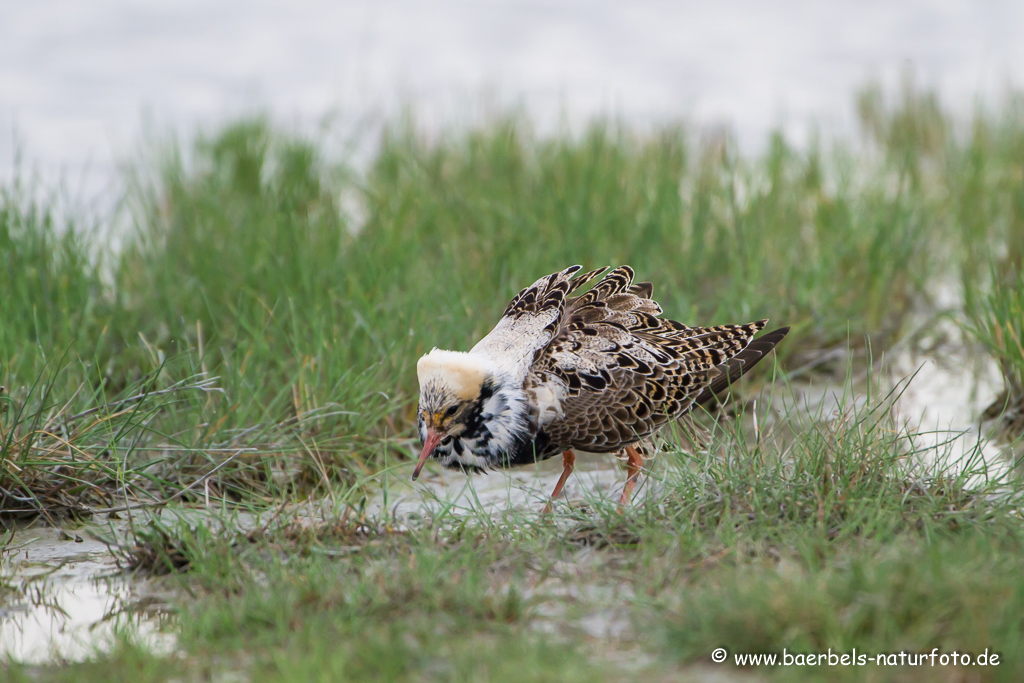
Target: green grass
{"type": "Point", "coordinates": [52, 287]}
{"type": "Point", "coordinates": [244, 263]}
{"type": "Point", "coordinates": [253, 341]}
{"type": "Point", "coordinates": [823, 531]}
{"type": "Point", "coordinates": [998, 323]}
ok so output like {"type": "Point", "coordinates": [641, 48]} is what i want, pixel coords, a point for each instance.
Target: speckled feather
{"type": "Point", "coordinates": [529, 323]}
{"type": "Point", "coordinates": [596, 372]}
{"type": "Point", "coordinates": [620, 371]}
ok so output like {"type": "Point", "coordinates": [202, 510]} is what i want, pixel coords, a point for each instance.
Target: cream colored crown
{"type": "Point", "coordinates": [461, 373]}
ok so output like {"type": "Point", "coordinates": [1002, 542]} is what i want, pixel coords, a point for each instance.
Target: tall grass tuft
{"type": "Point", "coordinates": [998, 323]}
{"type": "Point", "coordinates": [52, 296]}
{"type": "Point", "coordinates": [309, 288]}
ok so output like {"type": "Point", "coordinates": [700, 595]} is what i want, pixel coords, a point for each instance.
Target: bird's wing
{"type": "Point", "coordinates": [622, 371]}
{"type": "Point", "coordinates": [530, 322]}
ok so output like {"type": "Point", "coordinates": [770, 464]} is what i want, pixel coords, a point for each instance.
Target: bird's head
{"type": "Point", "coordinates": [454, 386]}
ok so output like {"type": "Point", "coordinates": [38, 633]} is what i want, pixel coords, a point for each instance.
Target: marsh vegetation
{"type": "Point", "coordinates": [247, 351]}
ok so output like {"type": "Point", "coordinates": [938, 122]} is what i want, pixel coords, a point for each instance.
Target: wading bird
{"type": "Point", "coordinates": [599, 372]}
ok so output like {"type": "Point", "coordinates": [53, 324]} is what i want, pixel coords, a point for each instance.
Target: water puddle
{"type": "Point", "coordinates": [63, 598]}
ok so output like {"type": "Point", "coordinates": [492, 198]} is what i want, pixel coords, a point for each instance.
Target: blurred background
{"type": "Point", "coordinates": [80, 82]}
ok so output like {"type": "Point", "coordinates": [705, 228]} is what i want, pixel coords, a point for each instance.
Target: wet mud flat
{"type": "Point", "coordinates": [65, 592]}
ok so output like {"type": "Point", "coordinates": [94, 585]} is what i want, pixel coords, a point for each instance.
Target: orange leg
{"type": "Point", "coordinates": [568, 463]}
{"type": "Point", "coordinates": [633, 463]}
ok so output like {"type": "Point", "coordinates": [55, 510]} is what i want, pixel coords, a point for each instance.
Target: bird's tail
{"type": "Point", "coordinates": [734, 368]}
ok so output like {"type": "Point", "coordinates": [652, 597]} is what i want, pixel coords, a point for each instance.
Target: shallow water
{"type": "Point", "coordinates": [65, 598]}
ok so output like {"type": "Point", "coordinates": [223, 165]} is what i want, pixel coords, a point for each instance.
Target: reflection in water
{"type": "Point", "coordinates": [64, 597]}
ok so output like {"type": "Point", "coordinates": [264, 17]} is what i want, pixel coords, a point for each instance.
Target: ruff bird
{"type": "Point", "coordinates": [600, 372]}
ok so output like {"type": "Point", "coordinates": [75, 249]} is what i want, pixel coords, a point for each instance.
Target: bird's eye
{"type": "Point", "coordinates": [451, 411]}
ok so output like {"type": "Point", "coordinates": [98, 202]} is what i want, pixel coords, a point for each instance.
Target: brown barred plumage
{"type": "Point", "coordinates": [626, 372]}
{"type": "Point", "coordinates": [600, 372]}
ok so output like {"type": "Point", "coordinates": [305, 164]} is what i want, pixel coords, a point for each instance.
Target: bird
{"type": "Point", "coordinates": [598, 372]}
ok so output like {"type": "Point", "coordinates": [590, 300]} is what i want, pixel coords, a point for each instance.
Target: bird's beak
{"type": "Point", "coordinates": [433, 438]}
